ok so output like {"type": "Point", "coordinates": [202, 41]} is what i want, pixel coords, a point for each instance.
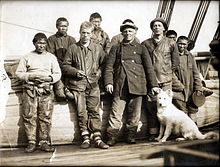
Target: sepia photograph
{"type": "Point", "coordinates": [109, 83]}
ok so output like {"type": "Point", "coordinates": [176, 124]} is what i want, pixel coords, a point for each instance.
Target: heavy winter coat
{"type": "Point", "coordinates": [129, 62]}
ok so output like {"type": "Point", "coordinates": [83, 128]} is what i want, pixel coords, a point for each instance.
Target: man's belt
{"type": "Point", "coordinates": [40, 89]}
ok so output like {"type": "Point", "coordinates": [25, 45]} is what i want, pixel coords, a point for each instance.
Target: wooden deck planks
{"type": "Point", "coordinates": [71, 155]}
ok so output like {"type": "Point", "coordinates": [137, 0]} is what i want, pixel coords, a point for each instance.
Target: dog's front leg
{"type": "Point", "coordinates": [162, 127]}
{"type": "Point", "coordinates": [167, 132]}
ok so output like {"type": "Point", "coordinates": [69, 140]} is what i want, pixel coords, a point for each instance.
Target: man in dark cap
{"type": "Point", "coordinates": [128, 71]}
{"type": "Point", "coordinates": [39, 70]}
{"type": "Point", "coordinates": [118, 38]}
{"type": "Point", "coordinates": [58, 45]}
{"type": "Point", "coordinates": [164, 55]}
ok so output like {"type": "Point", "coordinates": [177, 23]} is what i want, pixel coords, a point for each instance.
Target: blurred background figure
{"type": "Point", "coordinates": [171, 34]}
{"type": "Point", "coordinates": [99, 36]}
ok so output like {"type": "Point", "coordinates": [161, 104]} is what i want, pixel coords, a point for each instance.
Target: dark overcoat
{"type": "Point", "coordinates": [129, 62]}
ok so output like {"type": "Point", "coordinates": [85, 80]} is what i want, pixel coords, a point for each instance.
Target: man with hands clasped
{"type": "Point", "coordinates": [39, 70]}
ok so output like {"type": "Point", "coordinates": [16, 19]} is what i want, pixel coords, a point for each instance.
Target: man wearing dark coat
{"type": "Point", "coordinates": [128, 71]}
{"type": "Point", "coordinates": [82, 68]}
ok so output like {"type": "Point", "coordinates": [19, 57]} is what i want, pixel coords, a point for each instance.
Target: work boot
{"type": "Point", "coordinates": [86, 142]}
{"type": "Point", "coordinates": [112, 141]}
{"type": "Point", "coordinates": [30, 148]}
{"type": "Point", "coordinates": [98, 141]}
{"type": "Point", "coordinates": [131, 140]}
{"type": "Point", "coordinates": [152, 137]}
{"type": "Point", "coordinates": [101, 144]}
{"type": "Point", "coordinates": [45, 147]}
{"type": "Point", "coordinates": [131, 134]}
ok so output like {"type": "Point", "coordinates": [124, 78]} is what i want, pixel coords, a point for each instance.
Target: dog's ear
{"type": "Point", "coordinates": [169, 92]}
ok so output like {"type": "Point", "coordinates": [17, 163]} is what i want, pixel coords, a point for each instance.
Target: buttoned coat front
{"type": "Point", "coordinates": [131, 62]}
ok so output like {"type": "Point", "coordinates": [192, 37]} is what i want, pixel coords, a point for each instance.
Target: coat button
{"type": "Point", "coordinates": [135, 76]}
{"type": "Point", "coordinates": [122, 61]}
{"type": "Point", "coordinates": [132, 61]}
{"type": "Point", "coordinates": [134, 52]}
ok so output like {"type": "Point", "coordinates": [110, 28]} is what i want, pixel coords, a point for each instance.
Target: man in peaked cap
{"type": "Point", "coordinates": [165, 58]}
{"type": "Point", "coordinates": [119, 37]}
{"type": "Point", "coordinates": [127, 63]}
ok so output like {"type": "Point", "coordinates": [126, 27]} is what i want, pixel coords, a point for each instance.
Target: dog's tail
{"type": "Point", "coordinates": [211, 135]}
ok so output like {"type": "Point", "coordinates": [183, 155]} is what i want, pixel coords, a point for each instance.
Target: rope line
{"type": "Point", "coordinates": [5, 22]}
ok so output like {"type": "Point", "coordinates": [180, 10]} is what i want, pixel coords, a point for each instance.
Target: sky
{"type": "Point", "coordinates": [21, 20]}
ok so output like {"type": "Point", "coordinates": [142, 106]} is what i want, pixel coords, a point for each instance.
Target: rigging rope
{"type": "Point", "coordinates": [197, 23]}
{"type": "Point", "coordinates": [165, 10]}
{"type": "Point", "coordinates": [25, 27]}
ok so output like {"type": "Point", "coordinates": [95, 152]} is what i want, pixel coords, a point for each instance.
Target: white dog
{"type": "Point", "coordinates": [173, 120]}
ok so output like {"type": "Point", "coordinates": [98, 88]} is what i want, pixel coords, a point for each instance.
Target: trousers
{"type": "Point", "coordinates": [133, 104]}
{"type": "Point", "coordinates": [37, 108]}
{"type": "Point", "coordinates": [87, 104]}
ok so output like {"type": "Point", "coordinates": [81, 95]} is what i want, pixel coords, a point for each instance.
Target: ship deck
{"type": "Point", "coordinates": [141, 154]}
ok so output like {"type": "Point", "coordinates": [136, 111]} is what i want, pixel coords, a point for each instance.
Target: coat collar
{"type": "Point", "coordinates": [134, 42]}
{"type": "Point", "coordinates": [58, 34]}
{"type": "Point", "coordinates": [90, 47]}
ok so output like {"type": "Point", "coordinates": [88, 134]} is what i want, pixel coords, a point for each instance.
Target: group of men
{"type": "Point", "coordinates": [127, 69]}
